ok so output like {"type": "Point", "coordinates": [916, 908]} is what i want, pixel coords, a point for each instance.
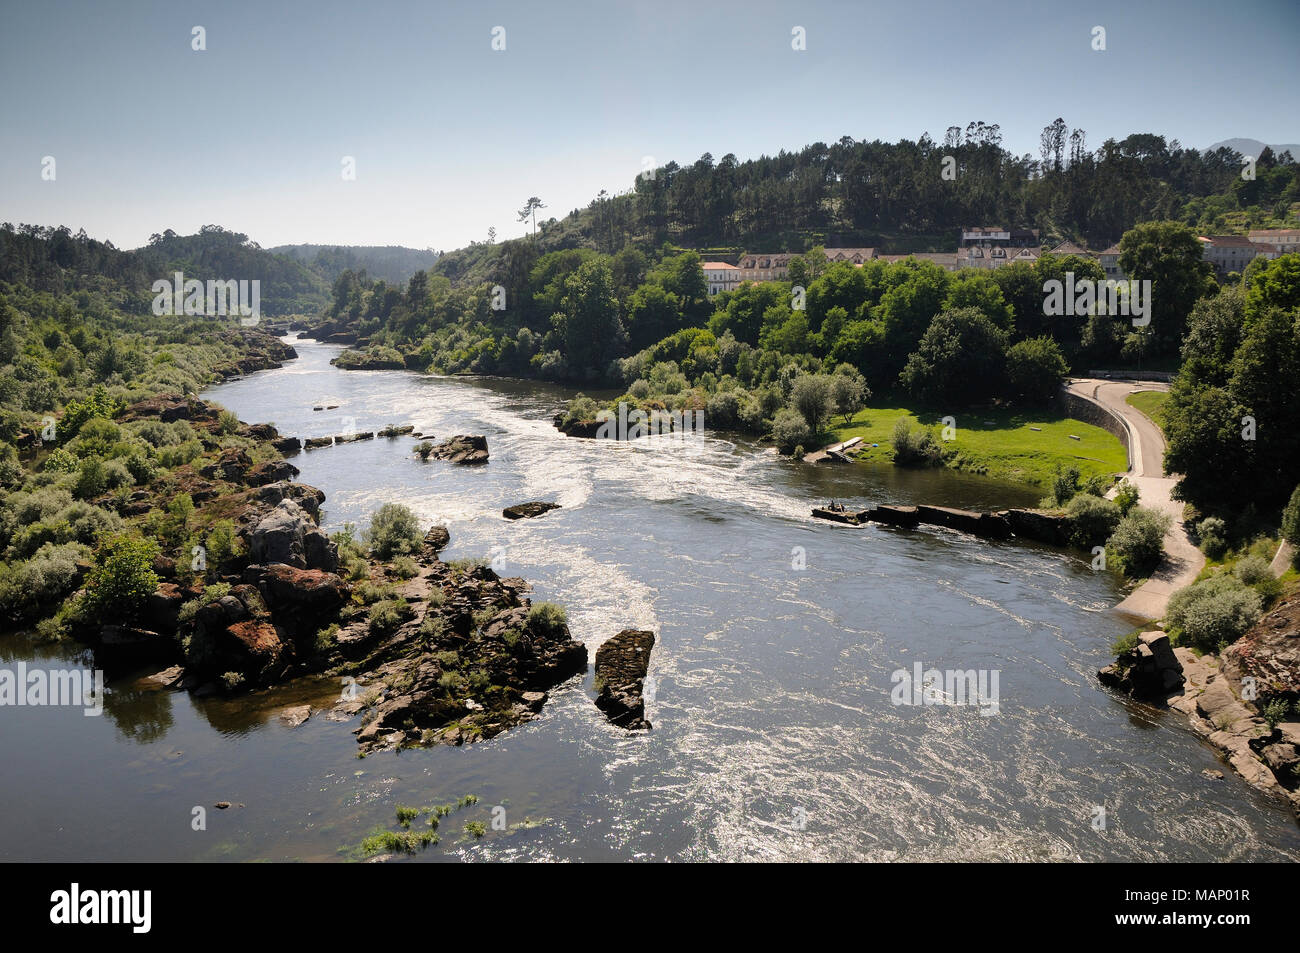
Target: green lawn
{"type": "Point", "coordinates": [997, 443]}
{"type": "Point", "coordinates": [1150, 402]}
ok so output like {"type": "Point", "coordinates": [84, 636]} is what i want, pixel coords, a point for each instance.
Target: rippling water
{"type": "Point", "coordinates": [775, 736]}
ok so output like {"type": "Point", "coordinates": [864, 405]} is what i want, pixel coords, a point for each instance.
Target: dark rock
{"type": "Point", "coordinates": [528, 510]}
{"type": "Point", "coordinates": [1149, 671]}
{"type": "Point", "coordinates": [1269, 652]}
{"type": "Point", "coordinates": [621, 666]}
{"type": "Point", "coordinates": [463, 448]}
{"type": "Point", "coordinates": [435, 540]}
{"type": "Point", "coordinates": [287, 444]}
{"type": "Point", "coordinates": [289, 535]}
{"type": "Point", "coordinates": [273, 471]}
{"type": "Point", "coordinates": [312, 443]}
{"type": "Point", "coordinates": [354, 437]}
{"type": "Point", "coordinates": [231, 465]}
{"type": "Point", "coordinates": [163, 607]}
{"type": "Point", "coordinates": [291, 589]}
{"type": "Point", "coordinates": [988, 525]}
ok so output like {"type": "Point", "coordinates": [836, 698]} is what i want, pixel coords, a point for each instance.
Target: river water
{"type": "Point", "coordinates": [774, 737]}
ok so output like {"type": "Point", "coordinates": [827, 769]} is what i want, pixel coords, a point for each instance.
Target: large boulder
{"type": "Point", "coordinates": [289, 535]}
{"type": "Point", "coordinates": [1149, 671]}
{"type": "Point", "coordinates": [462, 448]}
{"type": "Point", "coordinates": [528, 510]}
{"type": "Point", "coordinates": [621, 666]}
{"type": "Point", "coordinates": [272, 471]}
{"type": "Point", "coordinates": [1269, 652]}
{"type": "Point", "coordinates": [232, 464]}
{"type": "Point", "coordinates": [289, 590]}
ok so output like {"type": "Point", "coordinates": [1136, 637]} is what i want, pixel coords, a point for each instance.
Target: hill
{"type": "Point", "coordinates": [392, 263]}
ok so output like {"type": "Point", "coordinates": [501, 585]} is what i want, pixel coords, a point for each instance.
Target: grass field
{"type": "Point", "coordinates": [998, 443]}
{"type": "Point", "coordinates": [1150, 402]}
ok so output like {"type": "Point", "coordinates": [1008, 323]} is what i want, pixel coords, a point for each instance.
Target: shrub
{"type": "Point", "coordinates": [92, 479]}
{"type": "Point", "coordinates": [404, 567]}
{"type": "Point", "coordinates": [1065, 485]}
{"type": "Point", "coordinates": [548, 619]}
{"type": "Point", "coordinates": [227, 423]}
{"type": "Point", "coordinates": [1253, 570]}
{"type": "Point", "coordinates": [387, 615]}
{"type": "Point", "coordinates": [1214, 612]}
{"type": "Point", "coordinates": [915, 446]}
{"type": "Point", "coordinates": [122, 579]}
{"type": "Point", "coordinates": [1213, 534]}
{"type": "Point", "coordinates": [223, 544]}
{"type": "Point", "coordinates": [1126, 496]}
{"type": "Point", "coordinates": [394, 531]}
{"type": "Point", "coordinates": [209, 595]}
{"type": "Point", "coordinates": [60, 461]}
{"type": "Point", "coordinates": [1138, 541]}
{"type": "Point", "coordinates": [116, 474]}
{"type": "Point", "coordinates": [789, 430]}
{"type": "Point", "coordinates": [45, 578]}
{"type": "Point", "coordinates": [1092, 520]}
{"type": "Point", "coordinates": [423, 449]}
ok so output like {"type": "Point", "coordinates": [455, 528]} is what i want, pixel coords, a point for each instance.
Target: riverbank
{"type": "Point", "coordinates": [1016, 446]}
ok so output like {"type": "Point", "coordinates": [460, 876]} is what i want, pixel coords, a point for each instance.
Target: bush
{"type": "Point", "coordinates": [387, 615]}
{"type": "Point", "coordinates": [1214, 612]}
{"type": "Point", "coordinates": [1126, 496]}
{"type": "Point", "coordinates": [60, 461]}
{"type": "Point", "coordinates": [789, 430]}
{"type": "Point", "coordinates": [123, 578]}
{"type": "Point", "coordinates": [915, 446]}
{"type": "Point", "coordinates": [394, 531]}
{"type": "Point", "coordinates": [1065, 485]}
{"type": "Point", "coordinates": [404, 567]}
{"type": "Point", "coordinates": [1092, 520]}
{"type": "Point", "coordinates": [1213, 534]}
{"type": "Point", "coordinates": [45, 578]}
{"type": "Point", "coordinates": [548, 619]}
{"type": "Point", "coordinates": [1138, 542]}
{"type": "Point", "coordinates": [1253, 570]}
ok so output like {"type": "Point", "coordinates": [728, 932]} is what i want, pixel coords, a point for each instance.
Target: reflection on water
{"type": "Point", "coordinates": [775, 736]}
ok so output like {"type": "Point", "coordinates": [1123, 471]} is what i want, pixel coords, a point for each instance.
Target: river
{"type": "Point", "coordinates": [774, 737]}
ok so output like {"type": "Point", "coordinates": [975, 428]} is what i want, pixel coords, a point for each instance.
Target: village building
{"type": "Point", "coordinates": [1228, 253]}
{"type": "Point", "coordinates": [721, 276]}
{"type": "Point", "coordinates": [1284, 240]}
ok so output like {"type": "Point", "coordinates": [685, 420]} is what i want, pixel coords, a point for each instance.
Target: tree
{"type": "Point", "coordinates": [530, 209]}
{"type": "Point", "coordinates": [122, 579]}
{"type": "Point", "coordinates": [958, 361]}
{"type": "Point", "coordinates": [588, 321]}
{"type": "Point", "coordinates": [814, 397]}
{"type": "Point", "coordinates": [789, 430]}
{"type": "Point", "coordinates": [849, 391]}
{"type": "Point", "coordinates": [1169, 255]}
{"type": "Point", "coordinates": [1035, 369]}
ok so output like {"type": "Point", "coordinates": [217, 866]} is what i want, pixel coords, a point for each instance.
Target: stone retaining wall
{"type": "Point", "coordinates": [1092, 412]}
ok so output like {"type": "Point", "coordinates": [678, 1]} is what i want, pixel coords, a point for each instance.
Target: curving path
{"type": "Point", "coordinates": [1183, 561]}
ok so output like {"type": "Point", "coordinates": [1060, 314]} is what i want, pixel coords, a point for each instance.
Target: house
{"type": "Point", "coordinates": [1070, 248]}
{"type": "Point", "coordinates": [720, 276]}
{"type": "Point", "coordinates": [1109, 261]}
{"type": "Point", "coordinates": [993, 256]}
{"type": "Point", "coordinates": [1285, 240]}
{"type": "Point", "coordinates": [1228, 253]}
{"type": "Point", "coordinates": [857, 256]}
{"type": "Point", "coordinates": [765, 267]}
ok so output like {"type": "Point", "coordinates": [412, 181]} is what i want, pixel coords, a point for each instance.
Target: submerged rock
{"type": "Point", "coordinates": [621, 666]}
{"type": "Point", "coordinates": [528, 510]}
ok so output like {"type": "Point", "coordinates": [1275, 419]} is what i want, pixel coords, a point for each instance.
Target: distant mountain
{"type": "Point", "coordinates": [393, 263]}
{"type": "Point", "coordinates": [1253, 147]}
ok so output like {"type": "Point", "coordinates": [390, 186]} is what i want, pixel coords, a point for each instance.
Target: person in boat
{"type": "Point", "coordinates": [836, 507]}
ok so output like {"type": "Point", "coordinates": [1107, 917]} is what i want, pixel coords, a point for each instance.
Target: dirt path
{"type": "Point", "coordinates": [1182, 561]}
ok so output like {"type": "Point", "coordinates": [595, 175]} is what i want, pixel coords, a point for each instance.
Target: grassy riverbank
{"type": "Point", "coordinates": [1002, 444]}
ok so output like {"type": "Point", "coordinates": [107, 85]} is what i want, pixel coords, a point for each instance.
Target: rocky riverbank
{"type": "Point", "coordinates": [1243, 701]}
{"type": "Point", "coordinates": [430, 652]}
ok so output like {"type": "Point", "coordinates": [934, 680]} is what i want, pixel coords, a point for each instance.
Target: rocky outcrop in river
{"type": "Point", "coordinates": [621, 666]}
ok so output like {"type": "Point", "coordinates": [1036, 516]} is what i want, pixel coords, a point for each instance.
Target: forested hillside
{"type": "Point", "coordinates": [896, 196]}
{"type": "Point", "coordinates": [392, 263]}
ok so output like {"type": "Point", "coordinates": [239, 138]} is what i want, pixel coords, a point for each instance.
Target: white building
{"type": "Point", "coordinates": [1285, 240]}
{"type": "Point", "coordinates": [720, 276]}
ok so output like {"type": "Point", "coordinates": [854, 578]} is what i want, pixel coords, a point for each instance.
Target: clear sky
{"type": "Point", "coordinates": [450, 137]}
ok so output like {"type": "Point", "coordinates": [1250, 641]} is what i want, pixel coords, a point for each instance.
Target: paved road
{"type": "Point", "coordinates": [1182, 561]}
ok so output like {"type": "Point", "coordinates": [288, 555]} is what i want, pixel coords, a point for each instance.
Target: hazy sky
{"type": "Point", "coordinates": [450, 136]}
